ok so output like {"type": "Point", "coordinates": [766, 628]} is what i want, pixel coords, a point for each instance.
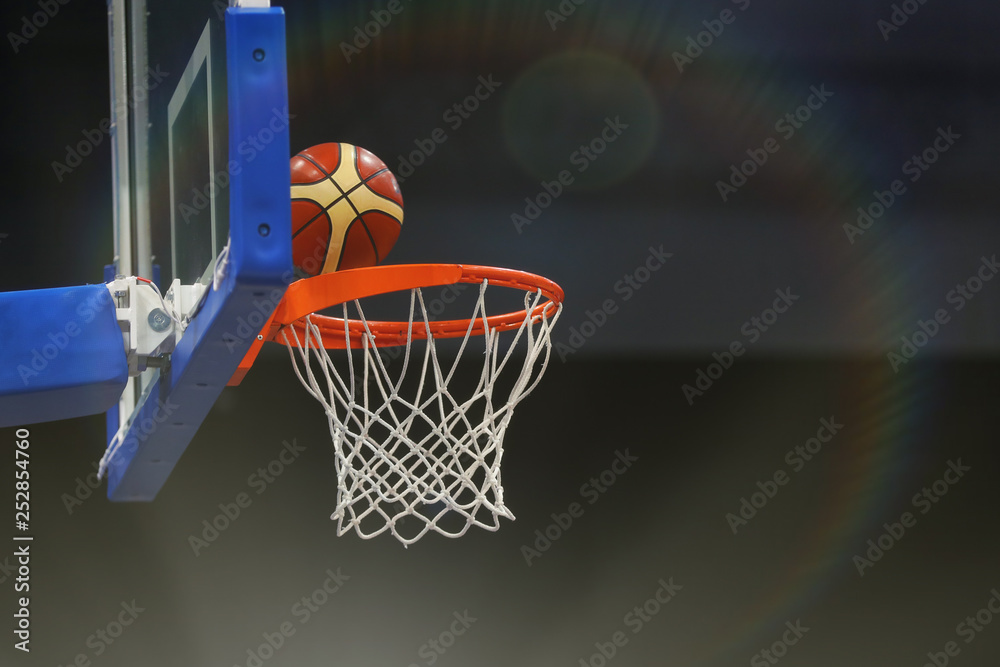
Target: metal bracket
{"type": "Point", "coordinates": [184, 301]}
{"type": "Point", "coordinates": [150, 324]}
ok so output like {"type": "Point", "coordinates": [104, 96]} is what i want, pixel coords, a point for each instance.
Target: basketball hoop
{"type": "Point", "coordinates": [410, 457]}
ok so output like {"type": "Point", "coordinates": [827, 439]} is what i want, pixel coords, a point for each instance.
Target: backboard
{"type": "Point", "coordinates": [201, 196]}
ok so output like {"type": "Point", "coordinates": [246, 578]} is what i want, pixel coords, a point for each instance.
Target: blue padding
{"type": "Point", "coordinates": [61, 354]}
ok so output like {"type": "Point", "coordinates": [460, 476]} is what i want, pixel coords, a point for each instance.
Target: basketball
{"type": "Point", "coordinates": [347, 209]}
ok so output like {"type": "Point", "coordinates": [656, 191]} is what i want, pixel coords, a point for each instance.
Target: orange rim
{"type": "Point", "coordinates": [306, 297]}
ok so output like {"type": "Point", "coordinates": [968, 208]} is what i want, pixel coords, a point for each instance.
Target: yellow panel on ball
{"type": "Point", "coordinates": [347, 210]}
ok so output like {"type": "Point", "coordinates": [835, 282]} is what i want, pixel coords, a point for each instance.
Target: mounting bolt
{"type": "Point", "coordinates": [158, 320]}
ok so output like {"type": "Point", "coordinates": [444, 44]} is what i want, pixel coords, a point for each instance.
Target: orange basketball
{"type": "Point", "coordinates": [347, 210]}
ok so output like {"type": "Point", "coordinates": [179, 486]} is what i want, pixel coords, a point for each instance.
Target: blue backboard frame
{"type": "Point", "coordinates": [174, 405]}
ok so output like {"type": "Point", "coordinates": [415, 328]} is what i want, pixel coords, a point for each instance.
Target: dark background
{"type": "Point", "coordinates": [622, 390]}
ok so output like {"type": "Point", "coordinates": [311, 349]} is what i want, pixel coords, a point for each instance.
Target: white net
{"type": "Point", "coordinates": [411, 457]}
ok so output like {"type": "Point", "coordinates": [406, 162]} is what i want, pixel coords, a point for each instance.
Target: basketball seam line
{"type": "Point", "coordinates": [310, 160]}
{"type": "Point", "coordinates": [344, 194]}
{"type": "Point", "coordinates": [357, 213]}
{"type": "Point", "coordinates": [358, 216]}
{"type": "Point", "coordinates": [312, 219]}
{"type": "Point", "coordinates": [373, 191]}
{"type": "Point", "coordinates": [326, 176]}
{"type": "Point", "coordinates": [323, 211]}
